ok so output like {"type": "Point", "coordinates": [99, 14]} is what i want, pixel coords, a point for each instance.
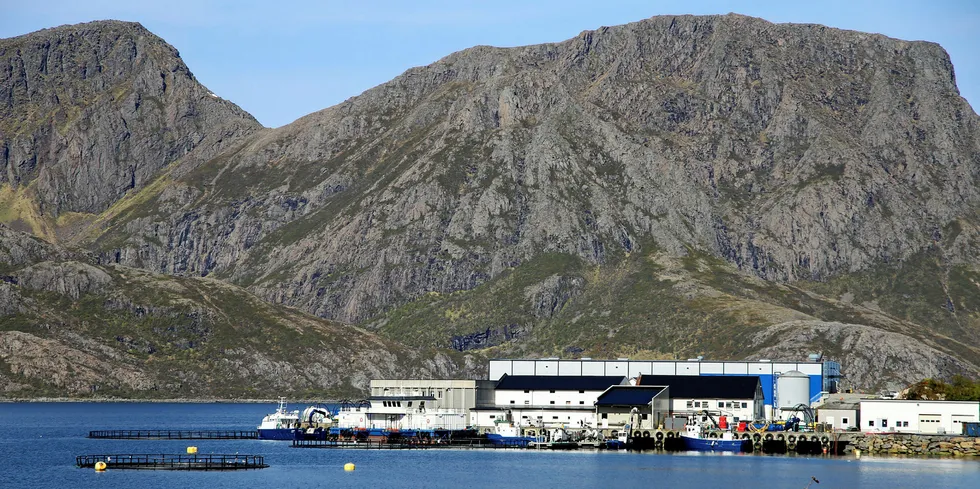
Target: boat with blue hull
{"type": "Point", "coordinates": [280, 425]}
{"type": "Point", "coordinates": [699, 444]}
{"type": "Point", "coordinates": [508, 435]}
{"type": "Point", "coordinates": [699, 439]}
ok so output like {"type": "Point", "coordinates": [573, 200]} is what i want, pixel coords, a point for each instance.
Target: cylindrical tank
{"type": "Point", "coordinates": [792, 389]}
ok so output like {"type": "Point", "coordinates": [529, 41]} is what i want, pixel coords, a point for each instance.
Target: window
{"type": "Point", "coordinates": [440, 394]}
{"type": "Point", "coordinates": [745, 405]}
{"type": "Point", "coordinates": [512, 402]}
{"type": "Point", "coordinates": [552, 392]}
{"type": "Point", "coordinates": [554, 417]}
{"type": "Point", "coordinates": [871, 422]}
{"type": "Point", "coordinates": [552, 402]}
{"type": "Point", "coordinates": [884, 423]}
{"type": "Point", "coordinates": [527, 403]}
{"type": "Point", "coordinates": [843, 420]}
{"type": "Point", "coordinates": [690, 404]}
{"type": "Point", "coordinates": [568, 403]}
{"type": "Point", "coordinates": [697, 404]}
{"type": "Point", "coordinates": [527, 391]}
{"type": "Point", "coordinates": [605, 415]}
{"type": "Point", "coordinates": [581, 392]}
{"type": "Point", "coordinates": [728, 405]}
{"type": "Point", "coordinates": [720, 404]}
{"type": "Point", "coordinates": [644, 416]}
{"type": "Point", "coordinates": [581, 402]}
{"type": "Point", "coordinates": [523, 417]}
{"type": "Point", "coordinates": [905, 424]}
{"type": "Point", "coordinates": [493, 416]}
{"type": "Point", "coordinates": [409, 403]}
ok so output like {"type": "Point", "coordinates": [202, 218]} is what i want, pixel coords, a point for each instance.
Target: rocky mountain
{"type": "Point", "coordinates": [91, 112]}
{"type": "Point", "coordinates": [69, 327]}
{"type": "Point", "coordinates": [683, 185]}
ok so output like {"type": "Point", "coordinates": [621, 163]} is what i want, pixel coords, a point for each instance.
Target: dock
{"type": "Point", "coordinates": [172, 461]}
{"type": "Point", "coordinates": [357, 445]}
{"type": "Point", "coordinates": [474, 443]}
{"type": "Point", "coordinates": [175, 434]}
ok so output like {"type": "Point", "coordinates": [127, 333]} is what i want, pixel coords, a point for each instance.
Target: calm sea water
{"type": "Point", "coordinates": [39, 442]}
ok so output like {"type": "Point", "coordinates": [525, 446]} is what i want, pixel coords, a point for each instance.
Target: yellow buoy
{"type": "Point", "coordinates": [99, 466]}
{"type": "Point", "coordinates": [192, 450]}
{"type": "Point", "coordinates": [348, 467]}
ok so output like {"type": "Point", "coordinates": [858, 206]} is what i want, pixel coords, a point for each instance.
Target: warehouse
{"type": "Point", "coordinates": [738, 397]}
{"type": "Point", "coordinates": [643, 407]}
{"type": "Point", "coordinates": [544, 401]}
{"type": "Point", "coordinates": [917, 416]}
{"type": "Point", "coordinates": [822, 375]}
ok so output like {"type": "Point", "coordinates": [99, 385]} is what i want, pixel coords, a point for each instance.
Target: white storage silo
{"type": "Point", "coordinates": [792, 389]}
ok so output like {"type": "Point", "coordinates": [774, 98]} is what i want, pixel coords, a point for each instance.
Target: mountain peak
{"type": "Point", "coordinates": [90, 112]}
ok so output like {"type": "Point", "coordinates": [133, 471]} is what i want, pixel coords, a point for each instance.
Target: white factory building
{"type": "Point", "coordinates": [908, 416]}
{"type": "Point", "coordinates": [801, 382]}
{"type": "Point", "coordinates": [544, 401]}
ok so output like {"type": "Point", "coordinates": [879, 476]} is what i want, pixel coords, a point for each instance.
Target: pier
{"type": "Point", "coordinates": [174, 434]}
{"type": "Point", "coordinates": [172, 462]}
{"type": "Point", "coordinates": [473, 443]}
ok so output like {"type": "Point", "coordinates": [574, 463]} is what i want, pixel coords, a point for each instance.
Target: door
{"type": "Point", "coordinates": [958, 420]}
{"type": "Point", "coordinates": [930, 423]}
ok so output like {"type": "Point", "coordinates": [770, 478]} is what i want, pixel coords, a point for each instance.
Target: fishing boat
{"type": "Point", "coordinates": [507, 434]}
{"type": "Point", "coordinates": [280, 425]}
{"type": "Point", "coordinates": [697, 438]}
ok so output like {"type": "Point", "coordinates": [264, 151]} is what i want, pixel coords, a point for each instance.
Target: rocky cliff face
{"type": "Point", "coordinates": [794, 152]}
{"type": "Point", "coordinates": [676, 186]}
{"type": "Point", "coordinates": [91, 112]}
{"type": "Point", "coordinates": [71, 328]}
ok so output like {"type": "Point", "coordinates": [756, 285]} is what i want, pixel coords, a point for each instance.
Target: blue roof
{"type": "Point", "coordinates": [628, 395]}
{"type": "Point", "coordinates": [558, 382]}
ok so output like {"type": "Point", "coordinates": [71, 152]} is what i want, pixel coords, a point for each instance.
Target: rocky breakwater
{"type": "Point", "coordinates": [915, 444]}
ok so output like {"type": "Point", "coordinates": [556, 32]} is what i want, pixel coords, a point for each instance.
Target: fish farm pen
{"type": "Point", "coordinates": [175, 434]}
{"type": "Point", "coordinates": [172, 462]}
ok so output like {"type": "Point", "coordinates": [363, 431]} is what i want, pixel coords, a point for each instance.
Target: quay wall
{"type": "Point", "coordinates": [912, 444]}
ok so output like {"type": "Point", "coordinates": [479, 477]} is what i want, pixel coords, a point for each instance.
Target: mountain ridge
{"type": "Point", "coordinates": [732, 180]}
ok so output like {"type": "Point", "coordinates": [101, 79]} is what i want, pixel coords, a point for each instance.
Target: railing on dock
{"type": "Point", "coordinates": [175, 434]}
{"type": "Point", "coordinates": [173, 461]}
{"type": "Point", "coordinates": [407, 445]}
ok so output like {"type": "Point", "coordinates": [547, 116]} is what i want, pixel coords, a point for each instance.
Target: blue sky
{"type": "Point", "coordinates": [283, 59]}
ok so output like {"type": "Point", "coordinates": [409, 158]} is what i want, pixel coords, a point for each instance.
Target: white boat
{"type": "Point", "coordinates": [280, 425]}
{"type": "Point", "coordinates": [402, 413]}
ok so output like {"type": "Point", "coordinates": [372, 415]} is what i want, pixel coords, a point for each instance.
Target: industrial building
{"type": "Point", "coordinates": [544, 401]}
{"type": "Point", "coordinates": [643, 407]}
{"type": "Point", "coordinates": [739, 398]}
{"type": "Point", "coordinates": [917, 416]}
{"type": "Point", "coordinates": [821, 376]}
{"type": "Point", "coordinates": [437, 394]}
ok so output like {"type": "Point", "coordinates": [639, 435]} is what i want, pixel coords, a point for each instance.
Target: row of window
{"type": "Point", "coordinates": [898, 424]}
{"type": "Point", "coordinates": [395, 403]}
{"type": "Point", "coordinates": [606, 416]}
{"type": "Point", "coordinates": [721, 404]}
